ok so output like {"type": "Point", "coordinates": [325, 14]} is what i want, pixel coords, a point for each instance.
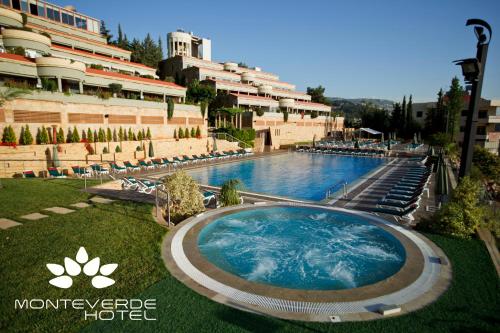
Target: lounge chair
{"type": "Point", "coordinates": [188, 159]}
{"type": "Point", "coordinates": [117, 168]}
{"type": "Point", "coordinates": [396, 211]}
{"type": "Point", "coordinates": [179, 161]}
{"type": "Point", "coordinates": [54, 173]}
{"type": "Point", "coordinates": [208, 197]}
{"type": "Point", "coordinates": [99, 169]}
{"type": "Point", "coordinates": [147, 186]}
{"type": "Point", "coordinates": [29, 174]}
{"type": "Point", "coordinates": [129, 183]}
{"type": "Point", "coordinates": [81, 171]}
{"type": "Point", "coordinates": [159, 163]}
{"type": "Point", "coordinates": [399, 203]}
{"type": "Point", "coordinates": [131, 167]}
{"type": "Point", "coordinates": [146, 165]}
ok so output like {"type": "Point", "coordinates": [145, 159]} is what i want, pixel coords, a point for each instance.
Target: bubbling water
{"type": "Point", "coordinates": [301, 248]}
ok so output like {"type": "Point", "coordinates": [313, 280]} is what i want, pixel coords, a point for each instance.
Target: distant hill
{"type": "Point", "coordinates": [380, 103]}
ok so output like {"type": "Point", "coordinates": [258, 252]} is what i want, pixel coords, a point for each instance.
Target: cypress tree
{"type": "Point", "coordinates": [90, 136]}
{"type": "Point", "coordinates": [21, 136]}
{"type": "Point", "coordinates": [134, 137]}
{"type": "Point", "coordinates": [49, 136]}
{"type": "Point", "coordinates": [130, 134]}
{"type": "Point", "coordinates": [60, 135]}
{"type": "Point", "coordinates": [115, 137]}
{"type": "Point", "coordinates": [109, 136]}
{"type": "Point", "coordinates": [28, 137]}
{"type": "Point", "coordinates": [139, 136]}
{"type": "Point", "coordinates": [454, 107]}
{"type": "Point", "coordinates": [84, 135]}
{"type": "Point", "coordinates": [186, 133]}
{"type": "Point", "coordinates": [170, 108]}
{"type": "Point", "coordinates": [101, 135]}
{"type": "Point", "coordinates": [148, 134]}
{"type": "Point", "coordinates": [198, 132]}
{"type": "Point", "coordinates": [175, 133]}
{"type": "Point", "coordinates": [409, 115]}
{"type": "Point", "coordinates": [181, 133]}
{"type": "Point", "coordinates": [402, 125]}
{"type": "Point", "coordinates": [69, 136]}
{"type": "Point", "coordinates": [44, 136]}
{"type": "Point", "coordinates": [193, 132]}
{"type": "Point", "coordinates": [96, 136]}
{"type": "Point", "coordinates": [120, 134]}
{"type": "Point", "coordinates": [75, 137]}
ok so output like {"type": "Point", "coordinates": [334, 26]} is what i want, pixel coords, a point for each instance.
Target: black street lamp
{"type": "Point", "coordinates": [473, 72]}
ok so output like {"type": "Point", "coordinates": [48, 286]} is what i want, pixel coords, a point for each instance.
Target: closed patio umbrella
{"type": "Point", "coordinates": [55, 157]}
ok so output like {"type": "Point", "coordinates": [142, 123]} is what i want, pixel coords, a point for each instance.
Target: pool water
{"type": "Point", "coordinates": [301, 248]}
{"type": "Point", "coordinates": [294, 175]}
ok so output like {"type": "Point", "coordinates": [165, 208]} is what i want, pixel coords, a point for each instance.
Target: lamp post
{"type": "Point", "coordinates": [473, 72]}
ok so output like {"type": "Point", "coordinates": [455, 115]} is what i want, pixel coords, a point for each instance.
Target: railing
{"type": "Point", "coordinates": [230, 138]}
{"type": "Point", "coordinates": [335, 188]}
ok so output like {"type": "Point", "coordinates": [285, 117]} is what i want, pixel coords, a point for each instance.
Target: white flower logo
{"type": "Point", "coordinates": [73, 268]}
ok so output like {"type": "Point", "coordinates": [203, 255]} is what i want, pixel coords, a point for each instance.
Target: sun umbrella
{"type": "Point", "coordinates": [55, 157]}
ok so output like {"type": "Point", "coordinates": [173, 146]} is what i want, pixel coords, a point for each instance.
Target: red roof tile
{"type": "Point", "coordinates": [16, 57]}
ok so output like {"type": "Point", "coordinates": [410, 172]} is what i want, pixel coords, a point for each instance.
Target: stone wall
{"type": "Point", "coordinates": [39, 157]}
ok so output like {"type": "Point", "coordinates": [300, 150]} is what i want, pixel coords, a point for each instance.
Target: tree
{"type": "Point", "coordinates": [44, 136]}
{"type": "Point", "coordinates": [318, 95]}
{"type": "Point", "coordinates": [198, 132]}
{"type": "Point", "coordinates": [96, 136]}
{"type": "Point", "coordinates": [109, 135]}
{"type": "Point", "coordinates": [181, 133]}
{"type": "Point", "coordinates": [185, 196]}
{"type": "Point", "coordinates": [151, 54]}
{"type": "Point", "coordinates": [488, 163]}
{"type": "Point", "coordinates": [90, 136]}
{"type": "Point", "coordinates": [193, 132]}
{"type": "Point", "coordinates": [229, 195]}
{"type": "Point", "coordinates": [27, 136]}
{"type": "Point", "coordinates": [60, 135]}
{"type": "Point", "coordinates": [242, 65]}
{"type": "Point", "coordinates": [314, 114]}
{"type": "Point", "coordinates": [139, 136]}
{"type": "Point", "coordinates": [435, 120]}
{"type": "Point", "coordinates": [75, 136]}
{"type": "Point", "coordinates": [203, 108]}
{"type": "Point", "coordinates": [375, 118]}
{"type": "Point", "coordinates": [454, 105]}
{"type": "Point", "coordinates": [197, 92]}
{"type": "Point", "coordinates": [120, 134]}
{"type": "Point", "coordinates": [170, 108]}
{"type": "Point", "coordinates": [186, 133]}
{"type": "Point", "coordinates": [130, 134]}
{"type": "Point", "coordinates": [403, 125]}
{"type": "Point", "coordinates": [409, 116]}
{"type": "Point", "coordinates": [120, 39]}
{"type": "Point", "coordinates": [285, 116]}
{"type": "Point", "coordinates": [148, 134]}
{"type": "Point", "coordinates": [9, 136]}
{"type": "Point", "coordinates": [115, 136]}
{"type": "Point", "coordinates": [151, 152]}
{"type": "Point", "coordinates": [396, 118]}
{"type": "Point", "coordinates": [69, 136]}
{"type": "Point", "coordinates": [175, 133]}
{"type": "Point", "coordinates": [105, 32]}
{"type": "Point", "coordinates": [137, 50]}
{"type": "Point", "coordinates": [102, 135]}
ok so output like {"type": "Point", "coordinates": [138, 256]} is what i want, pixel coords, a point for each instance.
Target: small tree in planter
{"type": "Point", "coordinates": [229, 193]}
{"type": "Point", "coordinates": [134, 137]}
{"type": "Point", "coordinates": [285, 116]}
{"type": "Point", "coordinates": [75, 136]}
{"type": "Point", "coordinates": [314, 114]}
{"type": "Point", "coordinates": [175, 135]}
{"type": "Point", "coordinates": [186, 133]}
{"type": "Point", "coordinates": [9, 136]}
{"type": "Point", "coordinates": [121, 137]}
{"type": "Point", "coordinates": [44, 136]}
{"type": "Point", "coordinates": [193, 132]}
{"type": "Point", "coordinates": [148, 134]}
{"type": "Point", "coordinates": [130, 134]}
{"type": "Point", "coordinates": [49, 136]}
{"type": "Point", "coordinates": [109, 136]}
{"type": "Point", "coordinates": [139, 136]}
{"type": "Point", "coordinates": [90, 135]}
{"type": "Point", "coordinates": [198, 132]}
{"type": "Point", "coordinates": [181, 133]}
{"type": "Point", "coordinates": [60, 135]}
{"type": "Point", "coordinates": [118, 149]}
{"type": "Point", "coordinates": [151, 150]}
{"type": "Point", "coordinates": [27, 137]}
{"type": "Point", "coordinates": [260, 112]}
{"type": "Point", "coordinates": [115, 136]}
{"type": "Point", "coordinates": [170, 108]}
{"type": "Point", "coordinates": [115, 88]}
{"type": "Point", "coordinates": [96, 136]}
{"type": "Point", "coordinates": [69, 136]}
{"type": "Point", "coordinates": [105, 150]}
{"type": "Point", "coordinates": [101, 135]}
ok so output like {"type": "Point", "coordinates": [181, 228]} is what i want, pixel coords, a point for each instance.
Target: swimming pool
{"type": "Point", "coordinates": [301, 248]}
{"type": "Point", "coordinates": [293, 175]}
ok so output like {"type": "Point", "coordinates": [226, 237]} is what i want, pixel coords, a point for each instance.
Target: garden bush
{"type": "Point", "coordinates": [229, 193]}
{"type": "Point", "coordinates": [185, 196]}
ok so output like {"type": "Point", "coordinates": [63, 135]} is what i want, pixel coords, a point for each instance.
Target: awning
{"type": "Point", "coordinates": [369, 130]}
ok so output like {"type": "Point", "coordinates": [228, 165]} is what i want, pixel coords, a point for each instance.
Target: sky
{"type": "Point", "coordinates": [357, 48]}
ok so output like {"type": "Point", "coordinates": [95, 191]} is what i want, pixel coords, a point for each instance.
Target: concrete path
{"type": "Point", "coordinates": [7, 223]}
{"type": "Point", "coordinates": [59, 210]}
{"type": "Point", "coordinates": [34, 216]}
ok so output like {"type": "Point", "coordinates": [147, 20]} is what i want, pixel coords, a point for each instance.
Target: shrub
{"type": "Point", "coordinates": [260, 112]}
{"type": "Point", "coordinates": [115, 88]}
{"type": "Point", "coordinates": [314, 114]}
{"type": "Point", "coordinates": [75, 137]}
{"type": "Point", "coordinates": [151, 151]}
{"type": "Point", "coordinates": [130, 134]}
{"type": "Point", "coordinates": [170, 108]}
{"type": "Point", "coordinates": [120, 134]}
{"type": "Point", "coordinates": [42, 137]}
{"type": "Point", "coordinates": [115, 136]}
{"type": "Point", "coordinates": [118, 149]}
{"type": "Point", "coordinates": [69, 136]}
{"type": "Point", "coordinates": [488, 163]}
{"type": "Point", "coordinates": [109, 136]}
{"type": "Point", "coordinates": [148, 134]}
{"type": "Point", "coordinates": [105, 150]}
{"type": "Point", "coordinates": [96, 66]}
{"type": "Point", "coordinates": [198, 132]}
{"type": "Point", "coordinates": [193, 132]}
{"type": "Point", "coordinates": [49, 84]}
{"type": "Point", "coordinates": [60, 135]}
{"type": "Point", "coordinates": [138, 148]}
{"type": "Point", "coordinates": [186, 133]}
{"type": "Point", "coordinates": [104, 94]}
{"type": "Point", "coordinates": [96, 136]}
{"type": "Point", "coordinates": [9, 136]}
{"type": "Point", "coordinates": [147, 76]}
{"type": "Point", "coordinates": [90, 135]}
{"type": "Point", "coordinates": [203, 108]}
{"type": "Point", "coordinates": [181, 133]}
{"type": "Point", "coordinates": [18, 50]}
{"type": "Point", "coordinates": [139, 136]}
{"type": "Point", "coordinates": [26, 136]}
{"type": "Point", "coordinates": [245, 135]}
{"type": "Point", "coordinates": [102, 135]}
{"type": "Point", "coordinates": [229, 193]}
{"type": "Point", "coordinates": [461, 215]}
{"type": "Point", "coordinates": [185, 197]}
{"type": "Point", "coordinates": [175, 133]}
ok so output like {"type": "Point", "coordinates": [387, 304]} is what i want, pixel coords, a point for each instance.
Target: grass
{"type": "Point", "coordinates": [126, 234]}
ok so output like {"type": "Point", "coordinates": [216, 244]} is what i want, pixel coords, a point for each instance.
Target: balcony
{"type": "Point", "coordinates": [247, 77]}
{"type": "Point", "coordinates": [10, 18]}
{"type": "Point", "coordinates": [287, 103]}
{"type": "Point", "coordinates": [59, 67]}
{"type": "Point", "coordinates": [493, 119]}
{"type": "Point", "coordinates": [265, 89]}
{"type": "Point", "coordinates": [13, 38]}
{"type": "Point", "coordinates": [231, 66]}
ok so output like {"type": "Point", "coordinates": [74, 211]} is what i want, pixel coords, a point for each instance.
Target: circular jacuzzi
{"type": "Point", "coordinates": [301, 248]}
{"type": "Point", "coordinates": [305, 261]}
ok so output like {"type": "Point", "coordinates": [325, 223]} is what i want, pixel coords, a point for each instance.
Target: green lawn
{"type": "Point", "coordinates": [125, 233]}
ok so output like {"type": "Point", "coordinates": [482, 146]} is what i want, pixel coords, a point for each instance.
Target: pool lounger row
{"type": "Point", "coordinates": [140, 185]}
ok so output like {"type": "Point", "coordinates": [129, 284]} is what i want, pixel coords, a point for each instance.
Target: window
{"type": "Point", "coordinates": [6, 3]}
{"type": "Point", "coordinates": [420, 114]}
{"type": "Point", "coordinates": [497, 127]}
{"type": "Point", "coordinates": [68, 18]}
{"type": "Point", "coordinates": [464, 113]}
{"type": "Point", "coordinates": [33, 9]}
{"type": "Point", "coordinates": [81, 23]}
{"type": "Point", "coordinates": [24, 5]}
{"type": "Point", "coordinates": [462, 129]}
{"type": "Point", "coordinates": [481, 130]}
{"type": "Point", "coordinates": [16, 4]}
{"type": "Point", "coordinates": [41, 10]}
{"type": "Point", "coordinates": [482, 114]}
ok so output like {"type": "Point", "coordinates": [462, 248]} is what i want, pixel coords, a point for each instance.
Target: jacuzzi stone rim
{"type": "Point", "coordinates": [407, 274]}
{"type": "Point", "coordinates": [429, 284]}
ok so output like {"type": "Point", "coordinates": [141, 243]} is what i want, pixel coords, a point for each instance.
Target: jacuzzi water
{"type": "Point", "coordinates": [301, 248]}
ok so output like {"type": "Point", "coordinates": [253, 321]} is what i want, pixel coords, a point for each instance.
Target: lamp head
{"type": "Point", "coordinates": [470, 69]}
